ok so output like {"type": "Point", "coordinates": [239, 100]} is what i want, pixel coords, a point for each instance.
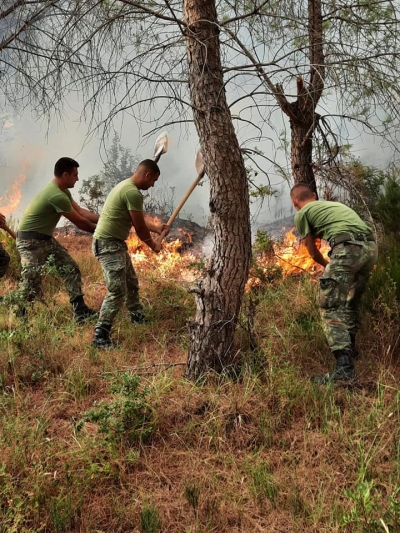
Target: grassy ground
{"type": "Point", "coordinates": [118, 441]}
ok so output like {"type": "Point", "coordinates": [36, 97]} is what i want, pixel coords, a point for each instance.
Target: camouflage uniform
{"type": "Point", "coordinates": [34, 254]}
{"type": "Point", "coordinates": [341, 287]}
{"type": "Point", "coordinates": [4, 261]}
{"type": "Point", "coordinates": [121, 280]}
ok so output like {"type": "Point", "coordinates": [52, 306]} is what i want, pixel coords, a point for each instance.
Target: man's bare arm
{"type": "Point", "coordinates": [156, 228]}
{"type": "Point", "coordinates": [142, 230]}
{"type": "Point", "coordinates": [85, 212]}
{"type": "Point", "coordinates": [81, 222]}
{"type": "Point", "coordinates": [309, 243]}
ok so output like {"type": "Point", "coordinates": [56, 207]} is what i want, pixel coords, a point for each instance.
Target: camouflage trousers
{"type": "Point", "coordinates": [4, 261]}
{"type": "Point", "coordinates": [35, 254]}
{"type": "Point", "coordinates": [341, 287]}
{"type": "Point", "coordinates": [121, 280]}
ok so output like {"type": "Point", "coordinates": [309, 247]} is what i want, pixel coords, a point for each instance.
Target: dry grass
{"type": "Point", "coordinates": [263, 451]}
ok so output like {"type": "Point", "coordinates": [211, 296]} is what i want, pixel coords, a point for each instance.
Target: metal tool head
{"type": "Point", "coordinates": [199, 163]}
{"type": "Point", "coordinates": [161, 145]}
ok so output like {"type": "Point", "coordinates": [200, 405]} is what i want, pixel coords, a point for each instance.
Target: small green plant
{"type": "Point", "coordinates": [263, 484]}
{"type": "Point", "coordinates": [386, 205]}
{"type": "Point", "coordinates": [364, 500]}
{"type": "Point", "coordinates": [385, 279]}
{"type": "Point", "coordinates": [192, 495]}
{"type": "Point", "coordinates": [263, 267]}
{"type": "Point", "coordinates": [76, 384]}
{"type": "Point", "coordinates": [129, 417]}
{"type": "Point", "coordinates": [62, 513]}
{"type": "Point", "coordinates": [150, 521]}
{"type": "Point", "coordinates": [264, 243]}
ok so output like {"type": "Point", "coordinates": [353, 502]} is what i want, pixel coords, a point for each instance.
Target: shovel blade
{"type": "Point", "coordinates": [161, 145]}
{"type": "Point", "coordinates": [199, 163]}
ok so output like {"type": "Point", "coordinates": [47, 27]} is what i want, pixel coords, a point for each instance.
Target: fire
{"type": "Point", "coordinates": [174, 262]}
{"type": "Point", "coordinates": [286, 259]}
{"type": "Point", "coordinates": [293, 258]}
{"type": "Point", "coordinates": [12, 197]}
{"type": "Point", "coordinates": [171, 262]}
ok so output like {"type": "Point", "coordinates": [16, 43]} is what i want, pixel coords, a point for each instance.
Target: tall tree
{"type": "Point", "coordinates": [219, 295]}
{"type": "Point", "coordinates": [323, 65]}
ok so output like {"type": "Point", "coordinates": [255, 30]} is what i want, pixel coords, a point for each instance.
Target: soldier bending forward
{"type": "Point", "coordinates": [352, 256]}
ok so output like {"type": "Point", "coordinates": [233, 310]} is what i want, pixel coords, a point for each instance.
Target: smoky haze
{"type": "Point", "coordinates": [32, 146]}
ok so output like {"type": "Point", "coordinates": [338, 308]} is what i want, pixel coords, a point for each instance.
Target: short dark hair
{"type": "Point", "coordinates": [151, 165]}
{"type": "Point", "coordinates": [301, 191]}
{"type": "Point", "coordinates": [65, 164]}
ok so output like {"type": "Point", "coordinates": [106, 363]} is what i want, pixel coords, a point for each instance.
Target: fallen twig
{"type": "Point", "coordinates": [136, 368]}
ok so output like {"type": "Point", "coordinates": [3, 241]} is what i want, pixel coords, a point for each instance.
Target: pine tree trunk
{"type": "Point", "coordinates": [301, 153]}
{"type": "Point", "coordinates": [219, 294]}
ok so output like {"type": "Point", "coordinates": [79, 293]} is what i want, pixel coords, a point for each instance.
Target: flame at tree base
{"type": "Point", "coordinates": [170, 263]}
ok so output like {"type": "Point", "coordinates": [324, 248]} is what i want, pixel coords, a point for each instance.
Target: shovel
{"type": "Point", "coordinates": [200, 173]}
{"type": "Point", "coordinates": [161, 146]}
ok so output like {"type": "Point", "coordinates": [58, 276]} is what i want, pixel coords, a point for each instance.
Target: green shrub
{"type": "Point", "coordinates": [129, 418]}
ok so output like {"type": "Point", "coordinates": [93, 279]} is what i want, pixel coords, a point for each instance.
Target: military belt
{"type": "Point", "coordinates": [32, 236]}
{"type": "Point", "coordinates": [350, 237]}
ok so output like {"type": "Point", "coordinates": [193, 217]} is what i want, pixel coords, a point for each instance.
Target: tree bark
{"type": "Point", "coordinates": [302, 129]}
{"type": "Point", "coordinates": [219, 294]}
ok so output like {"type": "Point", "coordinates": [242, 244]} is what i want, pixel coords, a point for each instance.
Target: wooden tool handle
{"type": "Point", "coordinates": [180, 205]}
{"type": "Point", "coordinates": [158, 154]}
{"type": "Point", "coordinates": [9, 231]}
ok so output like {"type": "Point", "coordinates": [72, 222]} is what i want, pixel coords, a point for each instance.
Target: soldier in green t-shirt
{"type": "Point", "coordinates": [123, 210]}
{"type": "Point", "coordinates": [352, 256]}
{"type": "Point", "coordinates": [4, 257]}
{"type": "Point", "coordinates": [35, 241]}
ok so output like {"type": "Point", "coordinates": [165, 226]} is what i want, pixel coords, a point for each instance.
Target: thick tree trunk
{"type": "Point", "coordinates": [219, 294]}
{"type": "Point", "coordinates": [301, 152]}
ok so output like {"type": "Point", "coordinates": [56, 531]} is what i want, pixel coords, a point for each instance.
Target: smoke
{"type": "Point", "coordinates": [38, 145]}
{"type": "Point", "coordinates": [207, 246]}
{"type": "Point", "coordinates": [35, 144]}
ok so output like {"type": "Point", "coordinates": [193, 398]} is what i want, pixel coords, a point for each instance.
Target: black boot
{"type": "Point", "coordinates": [138, 317]}
{"type": "Point", "coordinates": [81, 311]}
{"type": "Point", "coordinates": [102, 338]}
{"type": "Point", "coordinates": [353, 345]}
{"type": "Point", "coordinates": [344, 370]}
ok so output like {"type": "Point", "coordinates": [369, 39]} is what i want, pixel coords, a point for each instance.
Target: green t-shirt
{"type": "Point", "coordinates": [45, 210]}
{"type": "Point", "coordinates": [327, 219]}
{"type": "Point", "coordinates": [115, 221]}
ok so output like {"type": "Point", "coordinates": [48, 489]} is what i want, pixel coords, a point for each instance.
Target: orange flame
{"type": "Point", "coordinates": [293, 257]}
{"type": "Point", "coordinates": [12, 197]}
{"type": "Point", "coordinates": [171, 262]}
{"type": "Point", "coordinates": [287, 259]}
